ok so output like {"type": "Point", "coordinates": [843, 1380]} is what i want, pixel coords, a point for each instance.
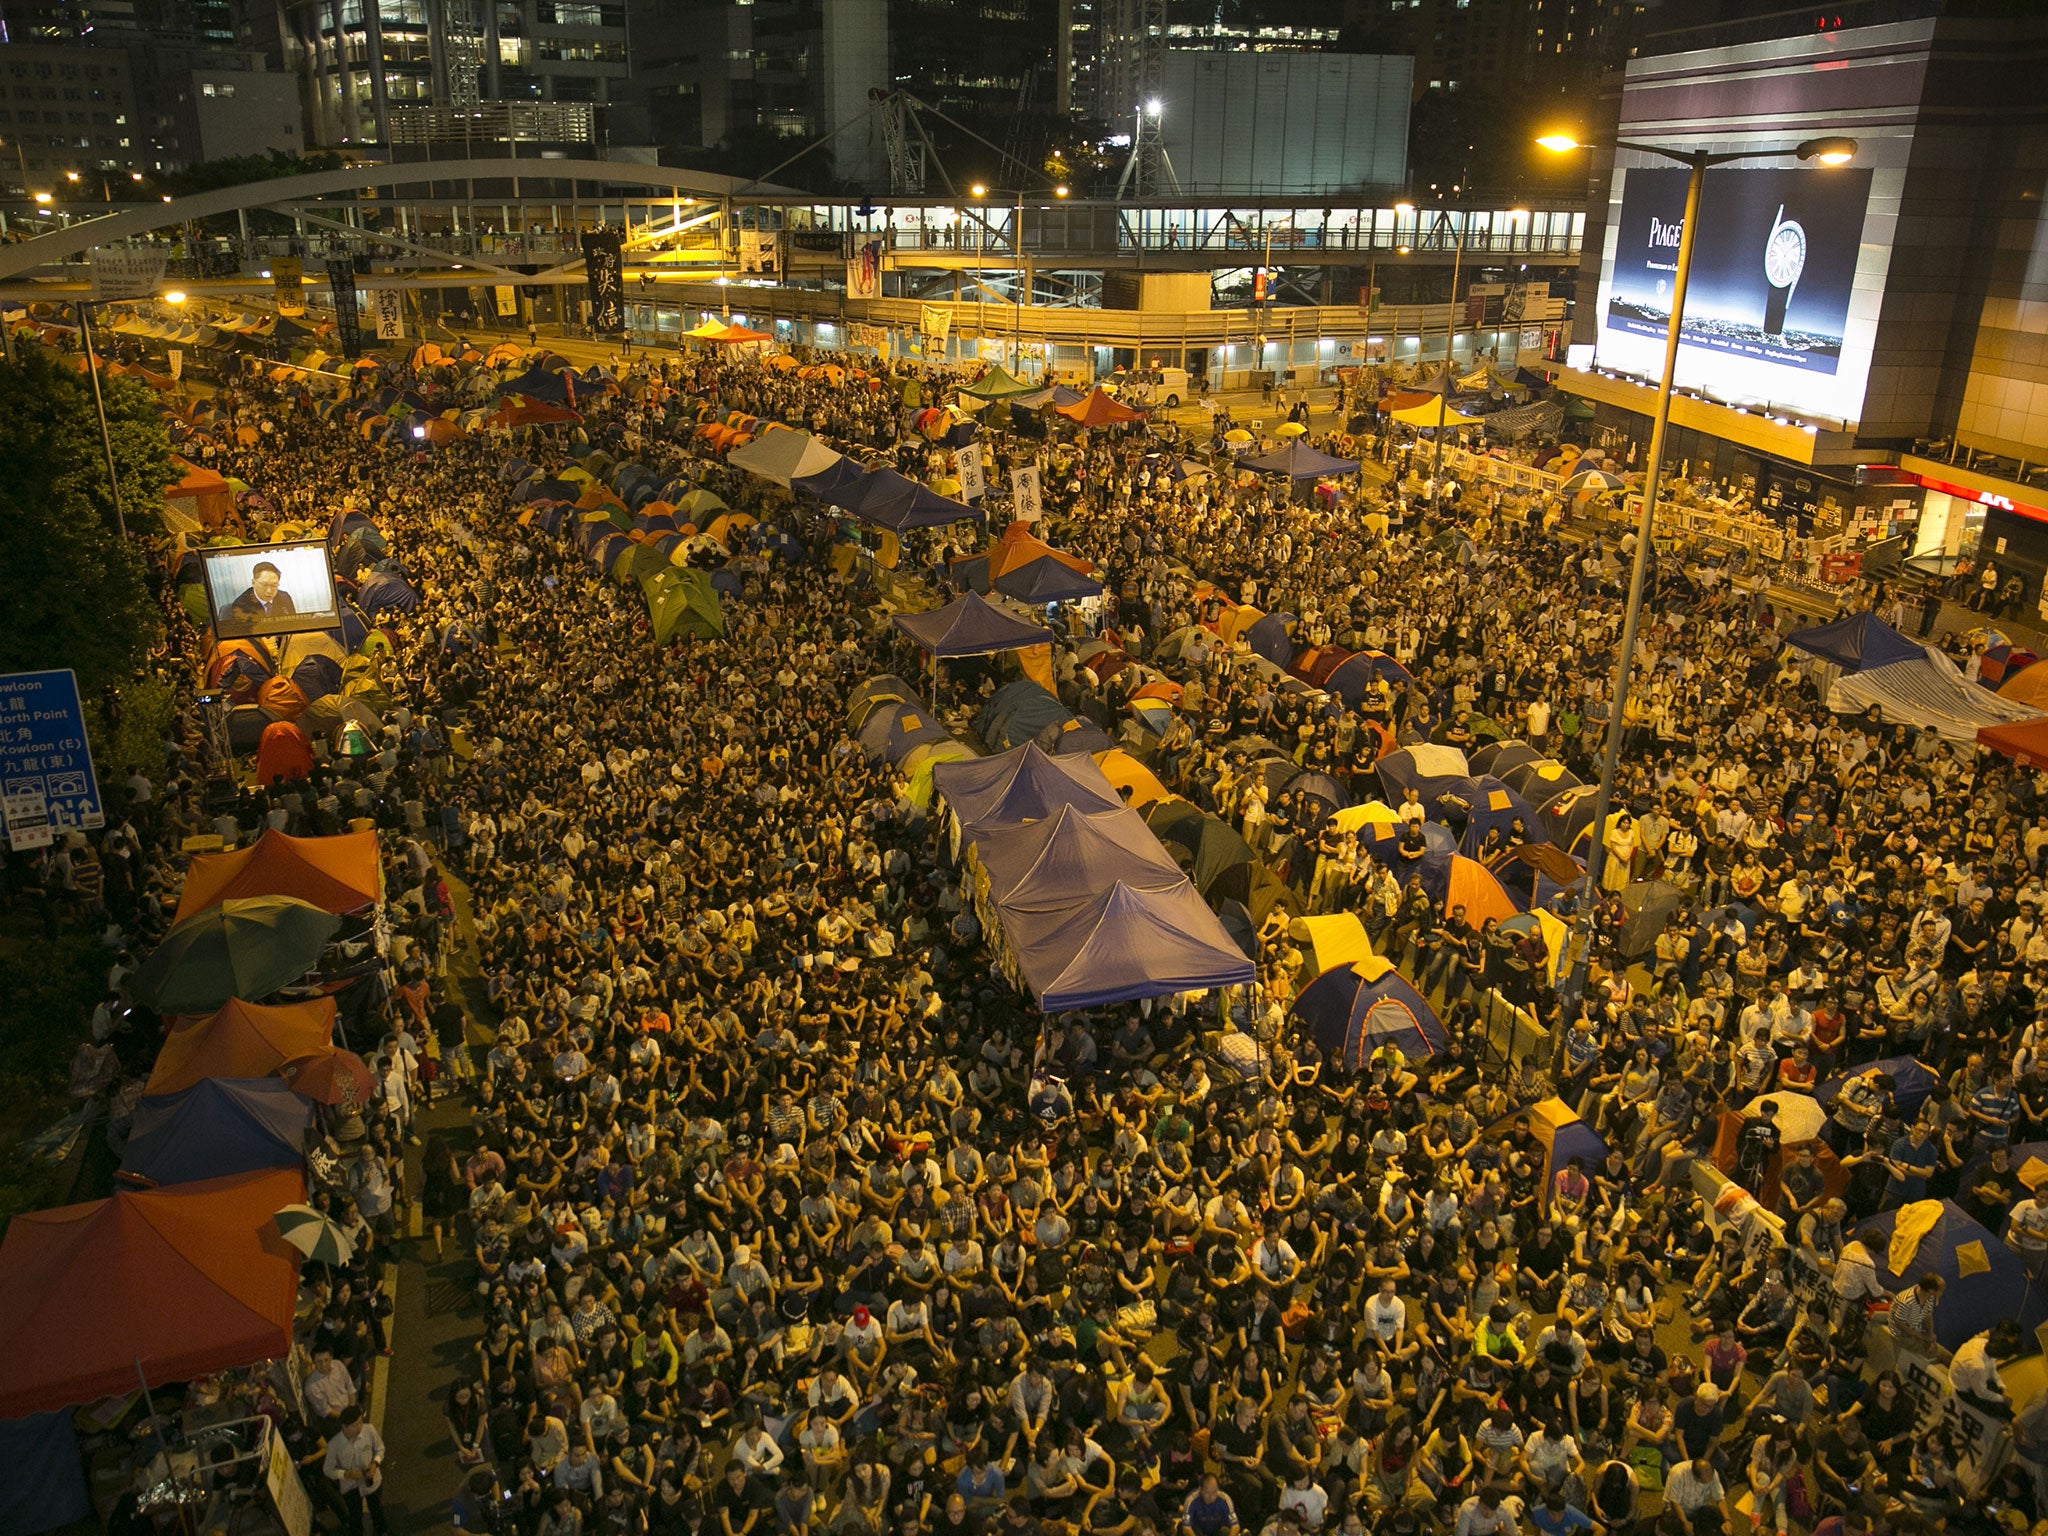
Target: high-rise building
{"type": "Point", "coordinates": [1482, 46]}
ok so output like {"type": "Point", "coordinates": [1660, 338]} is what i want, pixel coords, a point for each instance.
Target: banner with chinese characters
{"type": "Point", "coordinates": [390, 314]}
{"type": "Point", "coordinates": [1027, 497]}
{"type": "Point", "coordinates": [341, 289]}
{"type": "Point", "coordinates": [876, 336]}
{"type": "Point", "coordinates": [967, 469]}
{"type": "Point", "coordinates": [288, 279]}
{"type": "Point", "coordinates": [604, 280]}
{"type": "Point", "coordinates": [760, 251]}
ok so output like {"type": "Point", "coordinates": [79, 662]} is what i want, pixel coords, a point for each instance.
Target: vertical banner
{"type": "Point", "coordinates": [760, 251]}
{"type": "Point", "coordinates": [287, 277]}
{"type": "Point", "coordinates": [341, 289]}
{"type": "Point", "coordinates": [390, 314]}
{"type": "Point", "coordinates": [967, 470]}
{"type": "Point", "coordinates": [508, 301]}
{"type": "Point", "coordinates": [604, 278]}
{"type": "Point", "coordinates": [864, 272]}
{"type": "Point", "coordinates": [177, 361]}
{"type": "Point", "coordinates": [935, 323]}
{"type": "Point", "coordinates": [1027, 497]}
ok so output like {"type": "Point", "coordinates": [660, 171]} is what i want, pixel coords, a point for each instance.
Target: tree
{"type": "Point", "coordinates": [72, 592]}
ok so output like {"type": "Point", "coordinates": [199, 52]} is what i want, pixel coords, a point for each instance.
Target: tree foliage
{"type": "Point", "coordinates": [72, 594]}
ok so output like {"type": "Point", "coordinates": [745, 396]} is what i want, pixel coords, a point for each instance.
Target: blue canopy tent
{"type": "Point", "coordinates": [1856, 643]}
{"type": "Point", "coordinates": [969, 573]}
{"type": "Point", "coordinates": [1124, 944]}
{"type": "Point", "coordinates": [822, 483]}
{"type": "Point", "coordinates": [970, 625]}
{"type": "Point", "coordinates": [1298, 461]}
{"type": "Point", "coordinates": [1357, 1007]}
{"type": "Point", "coordinates": [889, 734]}
{"type": "Point", "coordinates": [1269, 638]}
{"type": "Point", "coordinates": [1912, 1082]}
{"type": "Point", "coordinates": [1493, 807]}
{"type": "Point", "coordinates": [885, 499]}
{"type": "Point", "coordinates": [218, 1126]}
{"type": "Point", "coordinates": [1428, 770]}
{"type": "Point", "coordinates": [1059, 860]}
{"type": "Point", "coordinates": [1983, 1279]}
{"type": "Point", "coordinates": [1022, 784]}
{"type": "Point", "coordinates": [1046, 580]}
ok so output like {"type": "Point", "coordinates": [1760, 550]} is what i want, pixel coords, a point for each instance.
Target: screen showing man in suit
{"type": "Point", "coordinates": [269, 589]}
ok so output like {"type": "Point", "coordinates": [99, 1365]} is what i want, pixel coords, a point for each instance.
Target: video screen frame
{"type": "Point", "coordinates": [304, 571]}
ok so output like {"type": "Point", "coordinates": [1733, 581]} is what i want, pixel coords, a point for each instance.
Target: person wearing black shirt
{"type": "Point", "coordinates": [738, 1504]}
{"type": "Point", "coordinates": [1993, 1190]}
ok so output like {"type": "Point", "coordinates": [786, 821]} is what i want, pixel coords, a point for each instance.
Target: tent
{"type": "Point", "coordinates": [1125, 772]}
{"type": "Point", "coordinates": [1648, 905]}
{"type": "Point", "coordinates": [1539, 780]}
{"type": "Point", "coordinates": [1428, 770]}
{"type": "Point", "coordinates": [1046, 580]}
{"type": "Point", "coordinates": [1562, 1135]}
{"type": "Point", "coordinates": [1330, 940]}
{"type": "Point", "coordinates": [921, 762]}
{"type": "Point", "coordinates": [970, 625]}
{"type": "Point", "coordinates": [885, 499]}
{"type": "Point", "coordinates": [1298, 461]}
{"type": "Point", "coordinates": [1077, 735]}
{"type": "Point", "coordinates": [1497, 757]}
{"type": "Point", "coordinates": [239, 948]}
{"type": "Point", "coordinates": [877, 691]}
{"type": "Point", "coordinates": [1451, 880]}
{"type": "Point", "coordinates": [240, 1041]}
{"type": "Point", "coordinates": [682, 602]}
{"type": "Point", "coordinates": [1353, 674]}
{"type": "Point", "coordinates": [1123, 944]}
{"type": "Point", "coordinates": [215, 1128]}
{"type": "Point", "coordinates": [1357, 1007]}
{"type": "Point", "coordinates": [1030, 715]}
{"type": "Point", "coordinates": [1017, 546]}
{"type": "Point", "coordinates": [2027, 686]}
{"type": "Point", "coordinates": [1855, 643]}
{"type": "Point", "coordinates": [1536, 874]}
{"type": "Point", "coordinates": [1492, 807]}
{"type": "Point", "coordinates": [1984, 1279]}
{"type": "Point", "coordinates": [1912, 1082]}
{"type": "Point", "coordinates": [2026, 743]}
{"type": "Point", "coordinates": [783, 457]}
{"type": "Point", "coordinates": [284, 752]}
{"type": "Point", "coordinates": [1057, 860]}
{"type": "Point", "coordinates": [1025, 783]}
{"type": "Point", "coordinates": [893, 731]}
{"type": "Point", "coordinates": [158, 1286]}
{"type": "Point", "coordinates": [998, 384]}
{"type": "Point", "coordinates": [1099, 410]}
{"type": "Point", "coordinates": [1437, 413]}
{"type": "Point", "coordinates": [1269, 638]}
{"type": "Point", "coordinates": [1930, 693]}
{"type": "Point", "coordinates": [335, 874]}
{"type": "Point", "coordinates": [1218, 858]}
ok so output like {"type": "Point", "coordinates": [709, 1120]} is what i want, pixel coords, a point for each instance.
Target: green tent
{"type": "Point", "coordinates": [636, 563]}
{"type": "Point", "coordinates": [700, 506]}
{"type": "Point", "coordinates": [241, 948]}
{"type": "Point", "coordinates": [682, 602]}
{"type": "Point", "coordinates": [997, 384]}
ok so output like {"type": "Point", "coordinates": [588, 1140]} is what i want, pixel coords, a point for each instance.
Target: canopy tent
{"type": "Point", "coordinates": [158, 1286]}
{"type": "Point", "coordinates": [1046, 864]}
{"type": "Point", "coordinates": [1437, 413]}
{"type": "Point", "coordinates": [1046, 580]}
{"type": "Point", "coordinates": [885, 499]}
{"type": "Point", "coordinates": [238, 948]}
{"type": "Point", "coordinates": [1930, 693]}
{"type": "Point", "coordinates": [1017, 546]}
{"type": "Point", "coordinates": [336, 874]}
{"type": "Point", "coordinates": [2025, 742]}
{"type": "Point", "coordinates": [970, 625]}
{"type": "Point", "coordinates": [1362, 1005]}
{"type": "Point", "coordinates": [784, 457]}
{"type": "Point", "coordinates": [1124, 944]}
{"type": "Point", "coordinates": [1855, 643]}
{"type": "Point", "coordinates": [1983, 1279]}
{"type": "Point", "coordinates": [240, 1041]}
{"type": "Point", "coordinates": [1099, 409]}
{"type": "Point", "coordinates": [1298, 461]}
{"type": "Point", "coordinates": [1025, 783]}
{"type": "Point", "coordinates": [1428, 770]}
{"type": "Point", "coordinates": [1330, 940]}
{"type": "Point", "coordinates": [217, 1127]}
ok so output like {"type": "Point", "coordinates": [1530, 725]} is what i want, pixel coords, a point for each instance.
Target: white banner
{"type": "Point", "coordinates": [1027, 499]}
{"type": "Point", "coordinates": [126, 272]}
{"type": "Point", "coordinates": [760, 251]}
{"type": "Point", "coordinates": [935, 322]}
{"type": "Point", "coordinates": [177, 357]}
{"type": "Point", "coordinates": [967, 469]}
{"type": "Point", "coordinates": [390, 306]}
{"type": "Point", "coordinates": [864, 272]}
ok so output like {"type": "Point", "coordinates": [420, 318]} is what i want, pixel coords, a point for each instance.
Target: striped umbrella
{"type": "Point", "coordinates": [314, 1235]}
{"type": "Point", "coordinates": [1589, 482]}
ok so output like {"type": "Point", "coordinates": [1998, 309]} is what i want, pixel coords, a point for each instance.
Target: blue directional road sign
{"type": "Point", "coordinates": [47, 783]}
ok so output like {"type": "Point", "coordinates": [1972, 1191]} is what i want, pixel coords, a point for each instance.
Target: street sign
{"type": "Point", "coordinates": [47, 783]}
{"type": "Point", "coordinates": [126, 272]}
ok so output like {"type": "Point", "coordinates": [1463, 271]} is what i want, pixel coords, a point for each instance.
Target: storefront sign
{"type": "Point", "coordinates": [1986, 499]}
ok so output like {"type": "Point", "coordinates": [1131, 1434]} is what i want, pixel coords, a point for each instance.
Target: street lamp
{"type": "Point", "coordinates": [83, 309]}
{"type": "Point", "coordinates": [1833, 150]}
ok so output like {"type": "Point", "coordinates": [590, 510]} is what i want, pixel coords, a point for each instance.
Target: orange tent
{"type": "Point", "coordinates": [2029, 685]}
{"type": "Point", "coordinates": [736, 334]}
{"type": "Point", "coordinates": [174, 1283]}
{"type": "Point", "coordinates": [335, 874]}
{"type": "Point", "coordinates": [241, 1040]}
{"type": "Point", "coordinates": [285, 752]}
{"type": "Point", "coordinates": [202, 493]}
{"type": "Point", "coordinates": [1099, 410]}
{"type": "Point", "coordinates": [1474, 887]}
{"type": "Point", "coordinates": [282, 697]}
{"type": "Point", "coordinates": [1019, 546]}
{"type": "Point", "coordinates": [2025, 742]}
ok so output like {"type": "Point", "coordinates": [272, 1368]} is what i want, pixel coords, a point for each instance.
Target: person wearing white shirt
{"type": "Point", "coordinates": [355, 1462]}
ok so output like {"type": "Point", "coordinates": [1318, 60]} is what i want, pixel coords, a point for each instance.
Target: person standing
{"type": "Point", "coordinates": [355, 1461]}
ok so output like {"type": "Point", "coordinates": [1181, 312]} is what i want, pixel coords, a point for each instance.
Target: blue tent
{"type": "Point", "coordinates": [539, 384]}
{"type": "Point", "coordinates": [317, 676]}
{"type": "Point", "coordinates": [1022, 784]}
{"type": "Point", "coordinates": [217, 1127]}
{"type": "Point", "coordinates": [970, 625]}
{"type": "Point", "coordinates": [1537, 780]}
{"type": "Point", "coordinates": [1061, 860]}
{"type": "Point", "coordinates": [1912, 1082]}
{"type": "Point", "coordinates": [42, 1476]}
{"type": "Point", "coordinates": [1123, 944]}
{"type": "Point", "coordinates": [1074, 735]}
{"type": "Point", "coordinates": [1428, 770]}
{"type": "Point", "coordinates": [1046, 580]}
{"type": "Point", "coordinates": [840, 473]}
{"type": "Point", "coordinates": [886, 499]}
{"type": "Point", "coordinates": [1352, 676]}
{"type": "Point", "coordinates": [889, 734]}
{"type": "Point", "coordinates": [969, 574]}
{"type": "Point", "coordinates": [386, 591]}
{"type": "Point", "coordinates": [1562, 1135]}
{"type": "Point", "coordinates": [1269, 638]}
{"type": "Point", "coordinates": [549, 519]}
{"type": "Point", "coordinates": [1356, 1008]}
{"type": "Point", "coordinates": [1856, 643]}
{"type": "Point", "coordinates": [1029, 717]}
{"type": "Point", "coordinates": [514, 470]}
{"type": "Point", "coordinates": [1300, 462]}
{"type": "Point", "coordinates": [1536, 874]}
{"type": "Point", "coordinates": [887, 688]}
{"type": "Point", "coordinates": [1497, 757]}
{"type": "Point", "coordinates": [1323, 795]}
{"type": "Point", "coordinates": [1495, 807]}
{"type": "Point", "coordinates": [548, 490]}
{"type": "Point", "coordinates": [1984, 1280]}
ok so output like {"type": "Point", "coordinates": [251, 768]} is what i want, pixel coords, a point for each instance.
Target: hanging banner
{"type": "Point", "coordinates": [176, 355]}
{"type": "Point", "coordinates": [1369, 302]}
{"type": "Point", "coordinates": [508, 301]}
{"type": "Point", "coordinates": [935, 323]}
{"type": "Point", "coordinates": [604, 280]}
{"type": "Point", "coordinates": [864, 272]}
{"type": "Point", "coordinates": [967, 470]}
{"type": "Point", "coordinates": [341, 290]}
{"type": "Point", "coordinates": [126, 272]}
{"type": "Point", "coordinates": [876, 336]}
{"type": "Point", "coordinates": [1027, 497]}
{"type": "Point", "coordinates": [760, 251]}
{"type": "Point", "coordinates": [288, 278]}
{"type": "Point", "coordinates": [390, 314]}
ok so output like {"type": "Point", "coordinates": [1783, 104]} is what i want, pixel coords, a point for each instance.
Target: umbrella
{"type": "Point", "coordinates": [331, 1077]}
{"type": "Point", "coordinates": [1589, 482]}
{"type": "Point", "coordinates": [1289, 429]}
{"type": "Point", "coordinates": [314, 1235]}
{"type": "Point", "coordinates": [1237, 435]}
{"type": "Point", "coordinates": [241, 948]}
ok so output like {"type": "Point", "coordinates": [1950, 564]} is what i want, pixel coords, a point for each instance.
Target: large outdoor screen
{"type": "Point", "coordinates": [269, 589]}
{"type": "Point", "coordinates": [1770, 312]}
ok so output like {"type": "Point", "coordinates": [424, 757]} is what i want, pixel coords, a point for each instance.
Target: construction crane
{"type": "Point", "coordinates": [1149, 172]}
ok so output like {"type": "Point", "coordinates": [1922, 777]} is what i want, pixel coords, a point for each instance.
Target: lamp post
{"type": "Point", "coordinates": [1443, 396]}
{"type": "Point", "coordinates": [1831, 151]}
{"type": "Point", "coordinates": [1018, 295]}
{"type": "Point", "coordinates": [83, 309]}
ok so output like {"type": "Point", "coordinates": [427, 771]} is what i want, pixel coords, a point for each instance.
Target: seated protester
{"type": "Point", "coordinates": [1695, 1502]}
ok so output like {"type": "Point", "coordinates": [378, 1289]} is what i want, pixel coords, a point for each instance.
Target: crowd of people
{"type": "Point", "coordinates": [769, 1235]}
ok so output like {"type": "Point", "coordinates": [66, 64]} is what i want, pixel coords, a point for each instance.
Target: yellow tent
{"type": "Point", "coordinates": [1329, 941]}
{"type": "Point", "coordinates": [1125, 772]}
{"type": "Point", "coordinates": [1353, 817]}
{"type": "Point", "coordinates": [2027, 686]}
{"type": "Point", "coordinates": [710, 330]}
{"type": "Point", "coordinates": [1437, 413]}
{"type": "Point", "coordinates": [1235, 621]}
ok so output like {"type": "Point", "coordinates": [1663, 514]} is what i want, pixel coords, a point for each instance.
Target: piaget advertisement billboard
{"type": "Point", "coordinates": [1769, 311]}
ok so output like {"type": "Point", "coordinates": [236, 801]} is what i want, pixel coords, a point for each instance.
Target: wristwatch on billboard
{"type": "Point", "coordinates": [1784, 260]}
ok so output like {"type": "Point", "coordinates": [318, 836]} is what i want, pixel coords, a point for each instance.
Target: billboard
{"type": "Point", "coordinates": [1768, 312]}
{"type": "Point", "coordinates": [269, 589]}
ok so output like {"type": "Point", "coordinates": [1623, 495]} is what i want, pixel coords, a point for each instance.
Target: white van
{"type": "Point", "coordinates": [1149, 386]}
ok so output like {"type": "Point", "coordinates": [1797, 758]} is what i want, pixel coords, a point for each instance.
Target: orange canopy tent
{"type": "Point", "coordinates": [335, 874]}
{"type": "Point", "coordinates": [1099, 410]}
{"type": "Point", "coordinates": [735, 335]}
{"type": "Point", "coordinates": [2025, 741]}
{"type": "Point", "coordinates": [1019, 546]}
{"type": "Point", "coordinates": [241, 1040]}
{"type": "Point", "coordinates": [168, 1283]}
